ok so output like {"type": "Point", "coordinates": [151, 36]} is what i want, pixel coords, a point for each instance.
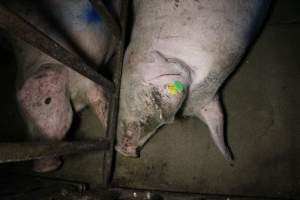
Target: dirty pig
{"type": "Point", "coordinates": [179, 55]}
{"type": "Point", "coordinates": [47, 91]}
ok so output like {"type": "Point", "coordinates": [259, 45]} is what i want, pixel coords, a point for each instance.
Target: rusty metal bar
{"type": "Point", "coordinates": [15, 152]}
{"type": "Point", "coordinates": [108, 18]}
{"type": "Point", "coordinates": [17, 26]}
{"type": "Point", "coordinates": [114, 103]}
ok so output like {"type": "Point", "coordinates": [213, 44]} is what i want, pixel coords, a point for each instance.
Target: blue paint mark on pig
{"type": "Point", "coordinates": [90, 15]}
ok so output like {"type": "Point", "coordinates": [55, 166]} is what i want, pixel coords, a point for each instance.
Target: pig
{"type": "Point", "coordinates": [180, 53]}
{"type": "Point", "coordinates": [47, 91]}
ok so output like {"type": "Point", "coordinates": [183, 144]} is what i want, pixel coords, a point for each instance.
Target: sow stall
{"type": "Point", "coordinates": [151, 176]}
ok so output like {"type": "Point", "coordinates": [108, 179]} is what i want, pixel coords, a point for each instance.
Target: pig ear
{"type": "Point", "coordinates": [171, 66]}
{"type": "Point", "coordinates": [158, 56]}
{"type": "Point", "coordinates": [183, 67]}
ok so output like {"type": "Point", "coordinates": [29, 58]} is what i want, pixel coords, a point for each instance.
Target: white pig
{"type": "Point", "coordinates": [180, 53]}
{"type": "Point", "coordinates": [48, 91]}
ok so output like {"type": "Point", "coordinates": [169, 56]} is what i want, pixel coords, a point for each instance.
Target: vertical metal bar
{"type": "Point", "coordinates": [17, 26]}
{"type": "Point", "coordinates": [114, 103]}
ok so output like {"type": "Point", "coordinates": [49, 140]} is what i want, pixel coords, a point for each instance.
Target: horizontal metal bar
{"type": "Point", "coordinates": [15, 152]}
{"type": "Point", "coordinates": [15, 184]}
{"type": "Point", "coordinates": [107, 17]}
{"type": "Point", "coordinates": [17, 26]}
{"type": "Point", "coordinates": [160, 195]}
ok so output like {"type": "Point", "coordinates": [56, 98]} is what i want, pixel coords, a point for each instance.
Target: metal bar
{"type": "Point", "coordinates": [14, 183]}
{"type": "Point", "coordinates": [78, 186]}
{"type": "Point", "coordinates": [15, 152]}
{"type": "Point", "coordinates": [17, 26]}
{"type": "Point", "coordinates": [114, 103]}
{"type": "Point", "coordinates": [125, 193]}
{"type": "Point", "coordinates": [107, 17]}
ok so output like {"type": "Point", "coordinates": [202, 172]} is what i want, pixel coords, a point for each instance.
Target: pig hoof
{"type": "Point", "coordinates": [128, 151]}
{"type": "Point", "coordinates": [46, 165]}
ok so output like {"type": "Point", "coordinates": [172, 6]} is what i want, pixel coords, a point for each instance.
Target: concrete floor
{"type": "Point", "coordinates": [263, 129]}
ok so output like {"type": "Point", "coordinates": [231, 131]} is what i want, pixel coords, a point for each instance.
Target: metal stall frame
{"type": "Point", "coordinates": [18, 27]}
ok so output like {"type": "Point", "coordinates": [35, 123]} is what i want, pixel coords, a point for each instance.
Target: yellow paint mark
{"type": "Point", "coordinates": [171, 88]}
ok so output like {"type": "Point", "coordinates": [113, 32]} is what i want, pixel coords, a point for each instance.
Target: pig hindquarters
{"type": "Point", "coordinates": [179, 55]}
{"type": "Point", "coordinates": [46, 89]}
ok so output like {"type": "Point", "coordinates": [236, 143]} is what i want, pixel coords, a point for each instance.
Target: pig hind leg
{"type": "Point", "coordinates": [47, 164]}
{"type": "Point", "coordinates": [98, 103]}
{"type": "Point", "coordinates": [212, 115]}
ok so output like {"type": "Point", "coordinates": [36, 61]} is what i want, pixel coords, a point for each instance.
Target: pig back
{"type": "Point", "coordinates": [203, 33]}
{"type": "Point", "coordinates": [73, 24]}
{"type": "Point", "coordinates": [210, 36]}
